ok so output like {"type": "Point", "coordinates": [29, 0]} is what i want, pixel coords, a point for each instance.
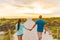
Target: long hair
{"type": "Point", "coordinates": [19, 21]}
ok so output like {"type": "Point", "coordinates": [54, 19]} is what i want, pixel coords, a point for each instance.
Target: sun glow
{"type": "Point", "coordinates": [36, 8]}
{"type": "Point", "coordinates": [7, 10]}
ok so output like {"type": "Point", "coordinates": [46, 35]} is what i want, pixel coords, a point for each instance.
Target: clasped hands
{"type": "Point", "coordinates": [30, 29]}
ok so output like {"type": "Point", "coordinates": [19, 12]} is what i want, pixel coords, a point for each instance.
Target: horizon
{"type": "Point", "coordinates": [24, 17]}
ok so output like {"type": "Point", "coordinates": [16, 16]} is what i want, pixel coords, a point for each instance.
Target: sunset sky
{"type": "Point", "coordinates": [31, 8]}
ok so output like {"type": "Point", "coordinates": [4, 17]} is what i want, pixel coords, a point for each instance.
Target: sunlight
{"type": "Point", "coordinates": [24, 10]}
{"type": "Point", "coordinates": [36, 8]}
{"type": "Point", "coordinates": [36, 5]}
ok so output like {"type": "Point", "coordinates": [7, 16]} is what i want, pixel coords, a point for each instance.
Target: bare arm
{"type": "Point", "coordinates": [26, 28]}
{"type": "Point", "coordinates": [45, 28]}
{"type": "Point", "coordinates": [33, 26]}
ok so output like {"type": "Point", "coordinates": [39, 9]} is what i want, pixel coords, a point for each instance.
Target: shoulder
{"type": "Point", "coordinates": [16, 24]}
{"type": "Point", "coordinates": [44, 21]}
{"type": "Point", "coordinates": [37, 20]}
{"type": "Point", "coordinates": [21, 24]}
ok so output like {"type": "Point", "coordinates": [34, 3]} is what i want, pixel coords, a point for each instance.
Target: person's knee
{"type": "Point", "coordinates": [40, 37]}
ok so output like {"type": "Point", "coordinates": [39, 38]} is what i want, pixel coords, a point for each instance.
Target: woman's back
{"type": "Point", "coordinates": [20, 31]}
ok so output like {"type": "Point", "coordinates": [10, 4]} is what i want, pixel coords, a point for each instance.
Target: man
{"type": "Point", "coordinates": [41, 24]}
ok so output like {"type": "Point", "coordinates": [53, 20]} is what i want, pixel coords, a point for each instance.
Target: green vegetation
{"type": "Point", "coordinates": [52, 24]}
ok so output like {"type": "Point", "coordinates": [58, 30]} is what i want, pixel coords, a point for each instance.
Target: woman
{"type": "Point", "coordinates": [19, 29]}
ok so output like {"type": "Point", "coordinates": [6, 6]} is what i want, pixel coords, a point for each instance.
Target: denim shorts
{"type": "Point", "coordinates": [20, 35]}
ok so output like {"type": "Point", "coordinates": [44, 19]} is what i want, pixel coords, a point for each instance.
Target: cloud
{"type": "Point", "coordinates": [13, 7]}
{"type": "Point", "coordinates": [1, 1]}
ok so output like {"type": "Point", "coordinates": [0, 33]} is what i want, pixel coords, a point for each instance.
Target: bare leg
{"type": "Point", "coordinates": [19, 37]}
{"type": "Point", "coordinates": [39, 35]}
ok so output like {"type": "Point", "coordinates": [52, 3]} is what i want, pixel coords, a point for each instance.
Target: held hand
{"type": "Point", "coordinates": [30, 29]}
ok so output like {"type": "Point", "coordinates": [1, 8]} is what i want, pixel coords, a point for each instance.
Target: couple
{"type": "Point", "coordinates": [41, 24]}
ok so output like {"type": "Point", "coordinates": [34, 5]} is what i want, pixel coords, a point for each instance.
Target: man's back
{"type": "Point", "coordinates": [40, 25]}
